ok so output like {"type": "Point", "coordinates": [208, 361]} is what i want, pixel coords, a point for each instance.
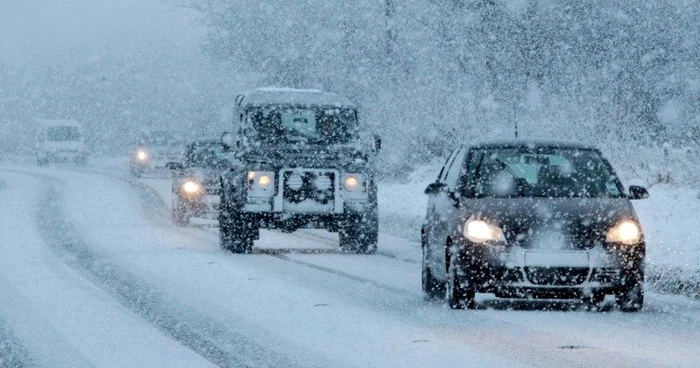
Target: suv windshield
{"type": "Point", "coordinates": [280, 124]}
{"type": "Point", "coordinates": [205, 155]}
{"type": "Point", "coordinates": [63, 133]}
{"type": "Point", "coordinates": [541, 172]}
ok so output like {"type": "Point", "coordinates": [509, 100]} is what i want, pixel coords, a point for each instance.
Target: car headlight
{"type": "Point", "coordinates": [261, 182]}
{"type": "Point", "coordinates": [191, 187]}
{"type": "Point", "coordinates": [352, 182]}
{"type": "Point", "coordinates": [626, 232]}
{"type": "Point", "coordinates": [141, 155]}
{"type": "Point", "coordinates": [480, 231]}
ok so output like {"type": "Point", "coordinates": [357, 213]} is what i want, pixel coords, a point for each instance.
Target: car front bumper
{"type": "Point", "coordinates": [514, 271]}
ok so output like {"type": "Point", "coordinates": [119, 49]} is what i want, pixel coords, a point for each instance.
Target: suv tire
{"type": "Point", "coordinates": [236, 234]}
{"type": "Point", "coordinates": [359, 233]}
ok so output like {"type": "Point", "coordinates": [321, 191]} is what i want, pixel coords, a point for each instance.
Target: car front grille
{"type": "Point", "coordinates": [557, 276]}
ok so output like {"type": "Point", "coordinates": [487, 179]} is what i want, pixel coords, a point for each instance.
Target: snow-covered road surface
{"type": "Point", "coordinates": [94, 274]}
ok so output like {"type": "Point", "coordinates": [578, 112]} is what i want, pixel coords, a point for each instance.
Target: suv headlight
{"type": "Point", "coordinates": [626, 232]}
{"type": "Point", "coordinates": [480, 231]}
{"type": "Point", "coordinates": [261, 183]}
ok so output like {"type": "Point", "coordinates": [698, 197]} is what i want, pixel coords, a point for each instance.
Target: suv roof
{"type": "Point", "coordinates": [291, 96]}
{"type": "Point", "coordinates": [530, 143]}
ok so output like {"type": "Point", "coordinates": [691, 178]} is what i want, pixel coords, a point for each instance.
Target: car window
{"type": "Point", "coordinates": [455, 170]}
{"type": "Point", "coordinates": [542, 172]}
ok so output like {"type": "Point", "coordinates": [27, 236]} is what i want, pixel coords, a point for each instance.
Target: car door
{"type": "Point", "coordinates": [445, 213]}
{"type": "Point", "coordinates": [442, 205]}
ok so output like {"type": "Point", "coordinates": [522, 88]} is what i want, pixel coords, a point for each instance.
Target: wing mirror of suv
{"type": "Point", "coordinates": [227, 140]}
{"type": "Point", "coordinates": [638, 192]}
{"type": "Point", "coordinates": [435, 188]}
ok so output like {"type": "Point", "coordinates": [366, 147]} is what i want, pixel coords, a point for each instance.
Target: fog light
{"type": "Point", "coordinates": [295, 182]}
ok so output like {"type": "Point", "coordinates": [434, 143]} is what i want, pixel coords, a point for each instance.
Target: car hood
{"type": "Point", "coordinates": [206, 176]}
{"type": "Point", "coordinates": [575, 222]}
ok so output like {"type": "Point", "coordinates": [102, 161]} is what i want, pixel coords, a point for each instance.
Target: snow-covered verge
{"type": "Point", "coordinates": [669, 219]}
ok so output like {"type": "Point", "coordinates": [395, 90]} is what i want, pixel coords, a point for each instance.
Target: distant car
{"type": "Point", "coordinates": [196, 184]}
{"type": "Point", "coordinates": [60, 140]}
{"type": "Point", "coordinates": [526, 219]}
{"type": "Point", "coordinates": [153, 150]}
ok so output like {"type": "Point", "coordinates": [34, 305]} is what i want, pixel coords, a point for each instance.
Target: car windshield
{"type": "Point", "coordinates": [541, 172]}
{"type": "Point", "coordinates": [205, 155]}
{"type": "Point", "coordinates": [63, 133]}
{"type": "Point", "coordinates": [280, 124]}
{"type": "Point", "coordinates": [160, 139]}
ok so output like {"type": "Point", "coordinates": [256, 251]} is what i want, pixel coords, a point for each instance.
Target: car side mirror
{"type": "Point", "coordinates": [377, 143]}
{"type": "Point", "coordinates": [174, 166]}
{"type": "Point", "coordinates": [435, 188]}
{"type": "Point", "coordinates": [227, 140]}
{"type": "Point", "coordinates": [638, 192]}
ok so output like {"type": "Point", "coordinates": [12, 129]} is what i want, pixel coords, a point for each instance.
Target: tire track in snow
{"type": "Point", "coordinates": [199, 333]}
{"type": "Point", "coordinates": [12, 353]}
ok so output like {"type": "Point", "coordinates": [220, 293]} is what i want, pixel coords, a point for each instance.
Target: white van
{"type": "Point", "coordinates": [60, 140]}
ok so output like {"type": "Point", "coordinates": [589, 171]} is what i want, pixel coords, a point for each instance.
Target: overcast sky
{"type": "Point", "coordinates": [40, 30]}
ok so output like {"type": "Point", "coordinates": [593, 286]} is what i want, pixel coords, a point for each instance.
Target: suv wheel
{"type": "Point", "coordinates": [460, 294]}
{"type": "Point", "coordinates": [236, 234]}
{"type": "Point", "coordinates": [433, 289]}
{"type": "Point", "coordinates": [359, 233]}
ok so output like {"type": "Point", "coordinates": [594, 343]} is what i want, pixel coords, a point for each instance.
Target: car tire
{"type": "Point", "coordinates": [359, 233]}
{"type": "Point", "coordinates": [81, 161]}
{"type": "Point", "coordinates": [433, 289]}
{"type": "Point", "coordinates": [42, 161]}
{"type": "Point", "coordinates": [630, 296]}
{"type": "Point", "coordinates": [460, 294]}
{"type": "Point", "coordinates": [236, 234]}
{"type": "Point", "coordinates": [179, 214]}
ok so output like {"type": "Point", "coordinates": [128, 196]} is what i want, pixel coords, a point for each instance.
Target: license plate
{"type": "Point", "coordinates": [556, 259]}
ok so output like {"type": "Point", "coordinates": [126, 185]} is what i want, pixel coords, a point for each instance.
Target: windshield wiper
{"type": "Point", "coordinates": [518, 180]}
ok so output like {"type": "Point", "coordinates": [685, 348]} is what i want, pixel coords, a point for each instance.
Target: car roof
{"type": "Point", "coordinates": [58, 122]}
{"type": "Point", "coordinates": [531, 143]}
{"type": "Point", "coordinates": [292, 96]}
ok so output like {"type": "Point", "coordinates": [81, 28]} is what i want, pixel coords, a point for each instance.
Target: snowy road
{"type": "Point", "coordinates": [94, 274]}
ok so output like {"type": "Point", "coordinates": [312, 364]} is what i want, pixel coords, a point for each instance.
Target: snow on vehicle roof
{"type": "Point", "coordinates": [58, 122]}
{"type": "Point", "coordinates": [291, 96]}
{"type": "Point", "coordinates": [530, 143]}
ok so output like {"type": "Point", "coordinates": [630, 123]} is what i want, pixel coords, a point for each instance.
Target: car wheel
{"type": "Point", "coordinates": [460, 294]}
{"type": "Point", "coordinates": [630, 296]}
{"type": "Point", "coordinates": [433, 289]}
{"type": "Point", "coordinates": [359, 233]}
{"type": "Point", "coordinates": [179, 214]}
{"type": "Point", "coordinates": [236, 234]}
